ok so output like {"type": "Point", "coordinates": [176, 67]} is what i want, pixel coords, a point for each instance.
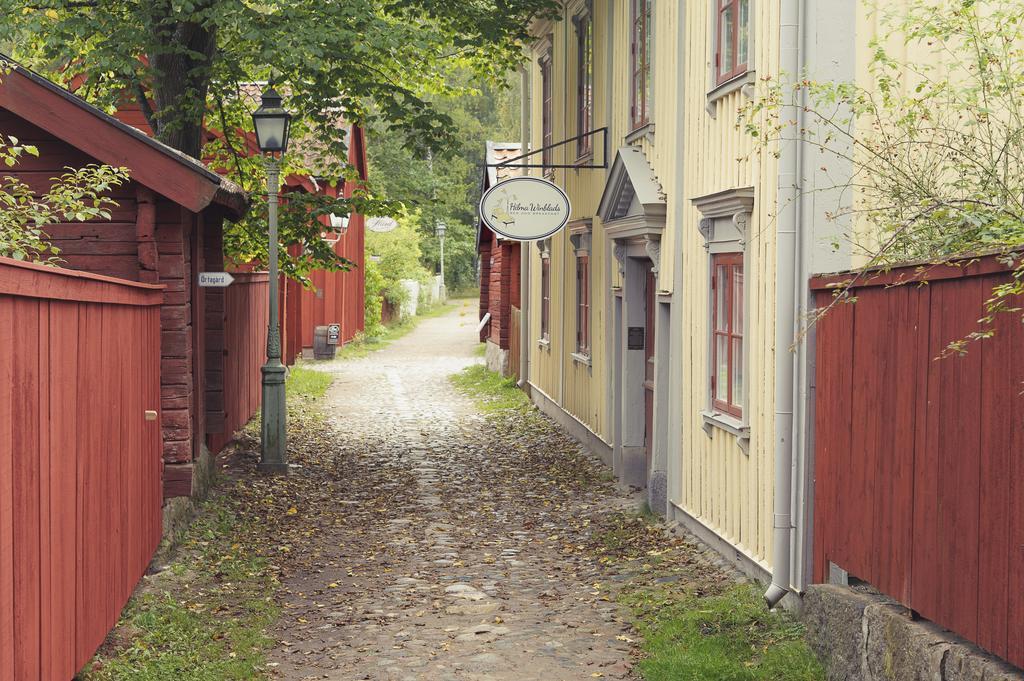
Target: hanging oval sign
{"type": "Point", "coordinates": [525, 208]}
{"type": "Point", "coordinates": [381, 224]}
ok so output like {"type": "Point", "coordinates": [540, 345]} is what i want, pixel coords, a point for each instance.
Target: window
{"type": "Point", "coordinates": [727, 333]}
{"type": "Point", "coordinates": [733, 39]}
{"type": "Point", "coordinates": [584, 81]}
{"type": "Point", "coordinates": [583, 303]}
{"type": "Point", "coordinates": [546, 116]}
{"type": "Point", "coordinates": [640, 50]}
{"type": "Point", "coordinates": [545, 297]}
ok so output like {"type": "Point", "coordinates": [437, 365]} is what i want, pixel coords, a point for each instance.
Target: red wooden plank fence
{"type": "Point", "coordinates": [919, 471]}
{"type": "Point", "coordinates": [80, 494]}
{"type": "Point", "coordinates": [245, 347]}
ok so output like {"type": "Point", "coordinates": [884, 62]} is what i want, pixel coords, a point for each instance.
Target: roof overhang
{"type": "Point", "coordinates": [632, 205]}
{"type": "Point", "coordinates": [155, 165]}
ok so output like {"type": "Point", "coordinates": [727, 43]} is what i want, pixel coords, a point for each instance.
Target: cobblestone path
{"type": "Point", "coordinates": [456, 562]}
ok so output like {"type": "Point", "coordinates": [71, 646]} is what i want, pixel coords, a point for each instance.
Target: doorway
{"type": "Point", "coordinates": [650, 310]}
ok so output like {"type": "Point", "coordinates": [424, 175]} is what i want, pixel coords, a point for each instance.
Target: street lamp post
{"type": "Point", "coordinates": [441, 229]}
{"type": "Point", "coordinates": [272, 124]}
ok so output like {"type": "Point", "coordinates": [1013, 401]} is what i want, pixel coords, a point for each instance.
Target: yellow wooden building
{"type": "Point", "coordinates": [596, 74]}
{"type": "Point", "coordinates": [661, 325]}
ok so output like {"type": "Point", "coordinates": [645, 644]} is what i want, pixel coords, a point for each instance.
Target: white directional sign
{"type": "Point", "coordinates": [215, 279]}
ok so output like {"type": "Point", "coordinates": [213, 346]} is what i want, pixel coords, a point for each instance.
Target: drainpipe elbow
{"type": "Point", "coordinates": [774, 594]}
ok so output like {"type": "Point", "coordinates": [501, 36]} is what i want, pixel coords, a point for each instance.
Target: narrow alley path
{"type": "Point", "coordinates": [450, 558]}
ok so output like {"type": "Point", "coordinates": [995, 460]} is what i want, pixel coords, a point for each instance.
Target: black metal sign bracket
{"type": "Point", "coordinates": [574, 166]}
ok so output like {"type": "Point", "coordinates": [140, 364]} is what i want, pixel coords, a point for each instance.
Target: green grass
{"type": "Point", "coordinates": [492, 391]}
{"type": "Point", "coordinates": [204, 618]}
{"type": "Point", "coordinates": [730, 636]}
{"type": "Point", "coordinates": [308, 383]}
{"type": "Point", "coordinates": [438, 310]}
{"type": "Point", "coordinates": [464, 292]}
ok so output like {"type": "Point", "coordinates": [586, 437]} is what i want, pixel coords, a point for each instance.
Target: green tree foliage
{"type": "Point", "coordinates": [77, 195]}
{"type": "Point", "coordinates": [392, 257]}
{"type": "Point", "coordinates": [185, 62]}
{"type": "Point", "coordinates": [373, 301]}
{"type": "Point", "coordinates": [933, 148]}
{"type": "Point", "coordinates": [397, 255]}
{"type": "Point", "coordinates": [447, 188]}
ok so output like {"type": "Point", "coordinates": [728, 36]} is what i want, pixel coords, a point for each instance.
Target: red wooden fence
{"type": "Point", "coordinates": [920, 461]}
{"type": "Point", "coordinates": [80, 495]}
{"type": "Point", "coordinates": [245, 348]}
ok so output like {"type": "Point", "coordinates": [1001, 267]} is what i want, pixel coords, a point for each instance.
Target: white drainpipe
{"type": "Point", "coordinates": [525, 247]}
{"type": "Point", "coordinates": [786, 291]}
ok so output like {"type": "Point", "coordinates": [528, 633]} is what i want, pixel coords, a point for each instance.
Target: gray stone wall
{"type": "Point", "coordinates": [496, 358]}
{"type": "Point", "coordinates": [866, 637]}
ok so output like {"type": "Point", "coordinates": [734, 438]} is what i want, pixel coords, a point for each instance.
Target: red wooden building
{"type": "Point", "coordinates": [919, 457]}
{"type": "Point", "coordinates": [499, 274]}
{"type": "Point", "coordinates": [336, 297]}
{"type": "Point", "coordinates": [167, 228]}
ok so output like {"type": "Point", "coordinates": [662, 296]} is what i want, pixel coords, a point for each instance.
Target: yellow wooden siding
{"type": "Point", "coordinates": [724, 487]}
{"type": "Point", "coordinates": [578, 388]}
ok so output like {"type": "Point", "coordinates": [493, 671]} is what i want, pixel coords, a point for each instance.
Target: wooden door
{"type": "Point", "coordinates": [649, 289]}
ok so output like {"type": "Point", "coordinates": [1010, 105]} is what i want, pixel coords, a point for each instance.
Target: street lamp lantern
{"type": "Point", "coordinates": [272, 123]}
{"type": "Point", "coordinates": [339, 227]}
{"type": "Point", "coordinates": [441, 228]}
{"type": "Point", "coordinates": [339, 223]}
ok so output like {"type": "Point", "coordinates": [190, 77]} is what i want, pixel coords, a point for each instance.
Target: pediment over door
{"type": "Point", "coordinates": [632, 205]}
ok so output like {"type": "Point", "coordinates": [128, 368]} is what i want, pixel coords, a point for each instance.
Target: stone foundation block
{"type": "Point", "coordinates": [866, 637]}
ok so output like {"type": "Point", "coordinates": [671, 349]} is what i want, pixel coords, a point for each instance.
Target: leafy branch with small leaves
{"type": "Point", "coordinates": [78, 195]}
{"type": "Point", "coordinates": [927, 156]}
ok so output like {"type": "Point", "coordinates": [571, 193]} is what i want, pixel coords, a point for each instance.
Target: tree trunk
{"type": "Point", "coordinates": [182, 68]}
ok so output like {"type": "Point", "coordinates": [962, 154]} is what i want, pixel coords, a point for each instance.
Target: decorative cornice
{"type": "Point", "coordinates": [652, 244]}
{"type": "Point", "coordinates": [742, 222]}
{"type": "Point", "coordinates": [734, 204]}
{"type": "Point", "coordinates": [580, 242]}
{"type": "Point", "coordinates": [581, 225]}
{"type": "Point", "coordinates": [706, 227]}
{"type": "Point", "coordinates": [725, 204]}
{"type": "Point", "coordinates": [636, 227]}
{"type": "Point", "coordinates": [544, 246]}
{"type": "Point", "coordinates": [619, 251]}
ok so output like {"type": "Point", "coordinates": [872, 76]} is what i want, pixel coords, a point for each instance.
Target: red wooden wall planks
{"type": "Point", "coordinates": [337, 297]}
{"type": "Point", "coordinates": [80, 493]}
{"type": "Point", "coordinates": [919, 460]}
{"type": "Point", "coordinates": [499, 286]}
{"type": "Point", "coordinates": [245, 346]}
